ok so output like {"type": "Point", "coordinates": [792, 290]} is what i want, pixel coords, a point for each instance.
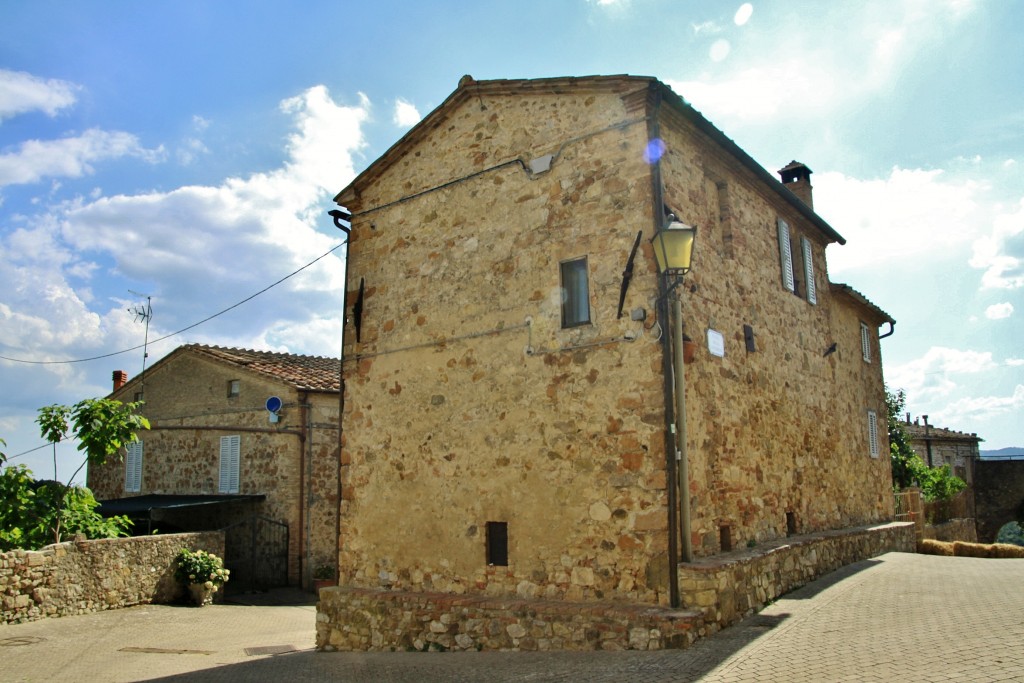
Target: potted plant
{"type": "Point", "coordinates": [202, 572]}
{"type": "Point", "coordinates": [323, 576]}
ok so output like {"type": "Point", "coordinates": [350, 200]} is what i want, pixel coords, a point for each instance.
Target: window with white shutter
{"type": "Point", "coordinates": [230, 455]}
{"type": "Point", "coordinates": [812, 292]}
{"type": "Point", "coordinates": [133, 467]}
{"type": "Point", "coordinates": [873, 433]}
{"type": "Point", "coordinates": [786, 257]}
{"type": "Point", "coordinates": [865, 342]}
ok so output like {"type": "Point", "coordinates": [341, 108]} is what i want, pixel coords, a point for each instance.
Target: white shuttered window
{"type": "Point", "coordinates": [133, 467]}
{"type": "Point", "coordinates": [865, 342]}
{"type": "Point", "coordinates": [786, 257]}
{"type": "Point", "coordinates": [805, 247]}
{"type": "Point", "coordinates": [230, 455]}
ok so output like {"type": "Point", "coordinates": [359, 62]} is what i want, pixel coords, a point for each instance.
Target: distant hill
{"type": "Point", "coordinates": [1004, 452]}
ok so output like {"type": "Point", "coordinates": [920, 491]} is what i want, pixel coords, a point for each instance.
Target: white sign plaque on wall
{"type": "Point", "coordinates": [716, 343]}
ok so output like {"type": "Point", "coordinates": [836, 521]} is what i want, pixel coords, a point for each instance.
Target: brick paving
{"type": "Point", "coordinates": [898, 617]}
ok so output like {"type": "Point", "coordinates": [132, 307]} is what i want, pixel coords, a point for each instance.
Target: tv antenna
{"type": "Point", "coordinates": [144, 314]}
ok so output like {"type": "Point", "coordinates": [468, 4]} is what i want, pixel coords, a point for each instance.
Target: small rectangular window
{"type": "Point", "coordinates": [812, 292]}
{"type": "Point", "coordinates": [497, 544]}
{"type": "Point", "coordinates": [575, 293]}
{"type": "Point", "coordinates": [865, 342]}
{"type": "Point", "coordinates": [786, 257]}
{"type": "Point", "coordinates": [230, 457]}
{"type": "Point", "coordinates": [234, 388]}
{"type": "Point", "coordinates": [873, 433]}
{"type": "Point", "coordinates": [133, 467]}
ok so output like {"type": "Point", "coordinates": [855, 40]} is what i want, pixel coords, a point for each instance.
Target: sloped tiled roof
{"type": "Point", "coordinates": [310, 373]}
{"type": "Point", "coordinates": [853, 294]}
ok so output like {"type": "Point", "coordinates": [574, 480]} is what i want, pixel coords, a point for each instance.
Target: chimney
{"type": "Point", "coordinates": [797, 177]}
{"type": "Point", "coordinates": [120, 379]}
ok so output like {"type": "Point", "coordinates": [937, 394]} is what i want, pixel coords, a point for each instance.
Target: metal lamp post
{"type": "Point", "coordinates": [673, 250]}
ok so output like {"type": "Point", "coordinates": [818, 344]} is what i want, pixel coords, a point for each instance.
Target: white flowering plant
{"type": "Point", "coordinates": [199, 566]}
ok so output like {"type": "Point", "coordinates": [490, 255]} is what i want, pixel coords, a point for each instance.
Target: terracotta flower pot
{"type": "Point", "coordinates": [689, 350]}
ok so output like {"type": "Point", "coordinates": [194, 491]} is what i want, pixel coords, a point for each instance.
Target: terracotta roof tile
{"type": "Point", "coordinates": [313, 373]}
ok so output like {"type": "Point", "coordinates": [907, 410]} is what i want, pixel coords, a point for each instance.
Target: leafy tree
{"type": "Point", "coordinates": [102, 426]}
{"type": "Point", "coordinates": [31, 510]}
{"type": "Point", "coordinates": [903, 457]}
{"type": "Point", "coordinates": [1011, 533]}
{"type": "Point", "coordinates": [937, 483]}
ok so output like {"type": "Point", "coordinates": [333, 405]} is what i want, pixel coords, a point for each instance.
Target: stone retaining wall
{"type": "Point", "coordinates": [716, 592]}
{"type": "Point", "coordinates": [372, 619]}
{"type": "Point", "coordinates": [953, 530]}
{"type": "Point", "coordinates": [728, 587]}
{"type": "Point", "coordinates": [78, 577]}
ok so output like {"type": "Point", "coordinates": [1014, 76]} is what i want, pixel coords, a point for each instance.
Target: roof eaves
{"type": "Point", "coordinates": [856, 296]}
{"type": "Point", "coordinates": [726, 143]}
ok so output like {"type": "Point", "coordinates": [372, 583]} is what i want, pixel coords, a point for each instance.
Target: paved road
{"type": "Point", "coordinates": [900, 617]}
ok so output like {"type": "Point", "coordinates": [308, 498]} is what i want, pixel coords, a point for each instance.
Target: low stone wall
{"type": "Point", "coordinates": [715, 591]}
{"type": "Point", "coordinates": [953, 530]}
{"type": "Point", "coordinates": [728, 587]}
{"type": "Point", "coordinates": [78, 577]}
{"type": "Point", "coordinates": [368, 619]}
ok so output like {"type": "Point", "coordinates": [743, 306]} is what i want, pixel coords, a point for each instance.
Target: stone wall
{"type": "Point", "coordinates": [729, 587]}
{"type": "Point", "coordinates": [716, 593]}
{"type": "Point", "coordinates": [368, 620]}
{"type": "Point", "coordinates": [953, 530]}
{"type": "Point", "coordinates": [78, 577]}
{"type": "Point", "coordinates": [998, 495]}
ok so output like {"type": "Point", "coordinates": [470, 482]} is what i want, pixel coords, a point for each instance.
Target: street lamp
{"type": "Point", "coordinates": [673, 250]}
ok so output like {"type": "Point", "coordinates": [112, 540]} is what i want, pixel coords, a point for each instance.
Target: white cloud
{"type": "Point", "coordinates": [974, 409]}
{"type": "Point", "coordinates": [931, 376]}
{"type": "Point", "coordinates": [1015, 362]}
{"type": "Point", "coordinates": [196, 249]}
{"type": "Point", "coordinates": [913, 211]}
{"type": "Point", "coordinates": [999, 311]}
{"type": "Point", "coordinates": [70, 157]}
{"type": "Point", "coordinates": [406, 114]}
{"type": "Point", "coordinates": [1001, 252]}
{"type": "Point", "coordinates": [21, 93]}
{"type": "Point", "coordinates": [709, 27]}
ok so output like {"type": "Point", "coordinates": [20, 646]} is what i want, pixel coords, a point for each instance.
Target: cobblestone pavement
{"type": "Point", "coordinates": [899, 617]}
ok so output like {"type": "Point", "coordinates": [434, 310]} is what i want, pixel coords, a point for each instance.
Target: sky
{"type": "Point", "coordinates": [188, 152]}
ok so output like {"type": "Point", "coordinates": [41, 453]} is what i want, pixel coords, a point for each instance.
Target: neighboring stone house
{"type": "Point", "coordinates": [938, 446]}
{"type": "Point", "coordinates": [215, 456]}
{"type": "Point", "coordinates": [506, 418]}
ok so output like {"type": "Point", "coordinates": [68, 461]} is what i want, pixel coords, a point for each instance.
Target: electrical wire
{"type": "Point", "coordinates": [184, 329]}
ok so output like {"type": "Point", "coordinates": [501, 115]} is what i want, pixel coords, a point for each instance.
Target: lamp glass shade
{"type": "Point", "coordinates": [673, 247]}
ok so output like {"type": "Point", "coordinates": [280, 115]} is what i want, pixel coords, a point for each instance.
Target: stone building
{"type": "Point", "coordinates": [938, 446]}
{"type": "Point", "coordinates": [216, 457]}
{"type": "Point", "coordinates": [508, 411]}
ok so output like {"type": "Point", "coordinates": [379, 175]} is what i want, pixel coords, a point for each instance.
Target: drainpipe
{"type": "Point", "coordinates": [305, 487]}
{"type": "Point", "coordinates": [339, 217]}
{"type": "Point", "coordinates": [657, 200]}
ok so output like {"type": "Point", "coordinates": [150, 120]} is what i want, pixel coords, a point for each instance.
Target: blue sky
{"type": "Point", "coordinates": [189, 151]}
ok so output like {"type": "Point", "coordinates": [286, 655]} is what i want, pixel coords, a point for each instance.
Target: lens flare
{"type": "Point", "coordinates": [654, 151]}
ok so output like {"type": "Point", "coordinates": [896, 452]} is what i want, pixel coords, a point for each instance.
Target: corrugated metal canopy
{"type": "Point", "coordinates": [137, 505]}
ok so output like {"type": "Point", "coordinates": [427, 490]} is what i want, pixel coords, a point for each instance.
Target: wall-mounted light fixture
{"type": "Point", "coordinates": [673, 247]}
